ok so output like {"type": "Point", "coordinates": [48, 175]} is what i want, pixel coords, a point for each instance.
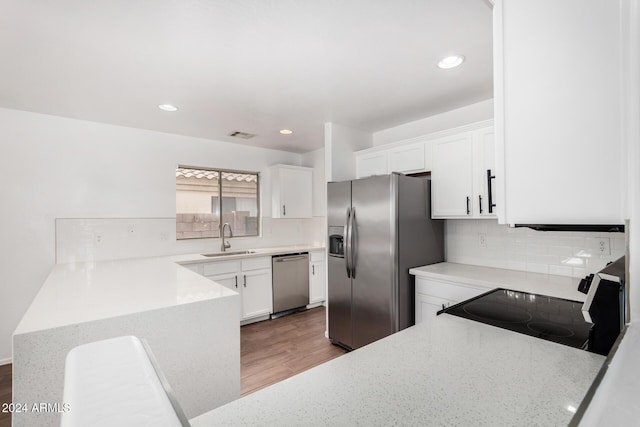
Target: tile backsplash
{"type": "Point", "coordinates": [95, 239]}
{"type": "Point", "coordinates": [487, 243]}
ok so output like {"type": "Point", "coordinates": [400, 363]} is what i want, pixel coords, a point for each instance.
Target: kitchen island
{"type": "Point", "coordinates": [447, 371]}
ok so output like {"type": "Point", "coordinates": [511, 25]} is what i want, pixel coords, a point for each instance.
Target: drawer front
{"type": "Point", "coordinates": [223, 267]}
{"type": "Point", "coordinates": [256, 263]}
{"type": "Point", "coordinates": [317, 256]}
{"type": "Point", "coordinates": [448, 290]}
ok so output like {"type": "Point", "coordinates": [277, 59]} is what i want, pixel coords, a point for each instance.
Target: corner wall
{"type": "Point", "coordinates": [65, 168]}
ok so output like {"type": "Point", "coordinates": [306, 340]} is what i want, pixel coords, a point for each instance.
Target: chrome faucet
{"type": "Point", "coordinates": [225, 245]}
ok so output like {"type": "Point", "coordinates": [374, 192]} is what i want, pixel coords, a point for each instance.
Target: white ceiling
{"type": "Point", "coordinates": [250, 65]}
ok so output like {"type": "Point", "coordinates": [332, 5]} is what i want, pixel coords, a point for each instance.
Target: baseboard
{"type": "Point", "coordinates": [6, 361]}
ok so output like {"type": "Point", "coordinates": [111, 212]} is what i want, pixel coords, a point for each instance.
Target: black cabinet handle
{"type": "Point", "coordinates": [313, 269]}
{"type": "Point", "coordinates": [236, 280]}
{"type": "Point", "coordinates": [245, 280]}
{"type": "Point", "coordinates": [480, 200]}
{"type": "Point", "coordinates": [284, 210]}
{"type": "Point", "coordinates": [489, 178]}
{"type": "Point", "coordinates": [468, 208]}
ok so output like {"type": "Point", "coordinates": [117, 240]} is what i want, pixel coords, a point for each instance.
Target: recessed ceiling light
{"type": "Point", "coordinates": [286, 132]}
{"type": "Point", "coordinates": [167, 107]}
{"type": "Point", "coordinates": [451, 61]}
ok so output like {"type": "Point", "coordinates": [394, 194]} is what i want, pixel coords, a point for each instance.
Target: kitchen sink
{"type": "Point", "coordinates": [216, 254]}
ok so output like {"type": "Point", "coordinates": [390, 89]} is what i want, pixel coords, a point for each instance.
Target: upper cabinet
{"type": "Point", "coordinates": [558, 111]}
{"type": "Point", "coordinates": [291, 191]}
{"type": "Point", "coordinates": [401, 157]}
{"type": "Point", "coordinates": [462, 175]}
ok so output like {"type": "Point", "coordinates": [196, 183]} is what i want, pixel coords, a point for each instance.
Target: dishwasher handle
{"type": "Point", "coordinates": [289, 258]}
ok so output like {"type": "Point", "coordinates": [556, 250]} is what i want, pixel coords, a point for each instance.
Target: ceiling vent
{"type": "Point", "coordinates": [243, 135]}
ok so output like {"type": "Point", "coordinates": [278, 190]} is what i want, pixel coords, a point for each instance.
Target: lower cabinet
{"type": "Point", "coordinates": [251, 278]}
{"type": "Point", "coordinates": [434, 295]}
{"type": "Point", "coordinates": [317, 277]}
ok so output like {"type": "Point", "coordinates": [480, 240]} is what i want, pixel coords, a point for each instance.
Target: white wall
{"type": "Point", "coordinates": [450, 119]}
{"type": "Point", "coordinates": [315, 159]}
{"type": "Point", "coordinates": [340, 142]}
{"type": "Point", "coordinates": [63, 168]}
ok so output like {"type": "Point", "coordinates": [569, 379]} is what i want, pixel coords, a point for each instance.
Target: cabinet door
{"type": "Point", "coordinates": [257, 293]}
{"type": "Point", "coordinates": [484, 161]}
{"type": "Point", "coordinates": [427, 306]}
{"type": "Point", "coordinates": [451, 177]}
{"type": "Point", "coordinates": [296, 186]}
{"type": "Point", "coordinates": [372, 164]}
{"type": "Point", "coordinates": [229, 280]}
{"type": "Point", "coordinates": [317, 281]}
{"type": "Point", "coordinates": [407, 159]}
{"type": "Point", "coordinates": [558, 103]}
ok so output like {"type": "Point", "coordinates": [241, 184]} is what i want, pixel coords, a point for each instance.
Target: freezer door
{"type": "Point", "coordinates": [339, 303]}
{"type": "Point", "coordinates": [374, 289]}
{"type": "Point", "coordinates": [339, 284]}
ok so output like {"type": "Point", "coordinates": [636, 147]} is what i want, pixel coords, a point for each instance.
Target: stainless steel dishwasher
{"type": "Point", "coordinates": [290, 282]}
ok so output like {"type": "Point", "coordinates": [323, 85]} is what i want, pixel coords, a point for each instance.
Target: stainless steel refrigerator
{"type": "Point", "coordinates": [379, 227]}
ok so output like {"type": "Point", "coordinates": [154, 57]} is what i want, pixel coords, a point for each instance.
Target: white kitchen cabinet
{"type": "Point", "coordinates": [459, 181]}
{"type": "Point", "coordinates": [559, 111]}
{"type": "Point", "coordinates": [434, 295]}
{"type": "Point", "coordinates": [485, 201]}
{"type": "Point", "coordinates": [291, 191]}
{"type": "Point", "coordinates": [369, 164]}
{"type": "Point", "coordinates": [428, 306]}
{"type": "Point", "coordinates": [407, 158]}
{"type": "Point", "coordinates": [257, 296]}
{"type": "Point", "coordinates": [317, 277]}
{"type": "Point", "coordinates": [403, 157]}
{"type": "Point", "coordinates": [251, 278]}
{"type": "Point", "coordinates": [452, 176]}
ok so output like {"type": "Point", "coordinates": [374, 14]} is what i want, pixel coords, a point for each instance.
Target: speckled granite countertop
{"type": "Point", "coordinates": [447, 371]}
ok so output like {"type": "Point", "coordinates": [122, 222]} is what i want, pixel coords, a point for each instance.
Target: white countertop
{"type": "Point", "coordinates": [197, 258]}
{"type": "Point", "coordinates": [447, 371]}
{"type": "Point", "coordinates": [81, 292]}
{"type": "Point", "coordinates": [536, 283]}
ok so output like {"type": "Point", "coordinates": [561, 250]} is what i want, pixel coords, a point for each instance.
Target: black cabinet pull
{"type": "Point", "coordinates": [245, 280]}
{"type": "Point", "coordinates": [480, 200]}
{"type": "Point", "coordinates": [284, 210]}
{"type": "Point", "coordinates": [468, 208]}
{"type": "Point", "coordinates": [313, 269]}
{"type": "Point", "coordinates": [236, 280]}
{"type": "Point", "coordinates": [489, 178]}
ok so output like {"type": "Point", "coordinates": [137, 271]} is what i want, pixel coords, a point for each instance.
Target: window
{"type": "Point", "coordinates": [208, 198]}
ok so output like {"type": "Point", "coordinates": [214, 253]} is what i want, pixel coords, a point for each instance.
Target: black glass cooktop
{"type": "Point", "coordinates": [553, 319]}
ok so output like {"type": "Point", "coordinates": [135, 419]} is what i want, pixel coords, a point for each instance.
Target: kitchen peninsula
{"type": "Point", "coordinates": [191, 323]}
{"type": "Point", "coordinates": [448, 371]}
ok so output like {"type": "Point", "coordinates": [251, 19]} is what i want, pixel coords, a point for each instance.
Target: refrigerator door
{"type": "Point", "coordinates": [374, 259]}
{"type": "Point", "coordinates": [339, 284]}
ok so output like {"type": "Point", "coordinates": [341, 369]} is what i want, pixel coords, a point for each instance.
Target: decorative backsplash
{"type": "Point", "coordinates": [95, 239]}
{"type": "Point", "coordinates": [487, 243]}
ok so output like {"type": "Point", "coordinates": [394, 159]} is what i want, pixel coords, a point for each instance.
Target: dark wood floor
{"type": "Point", "coordinates": [274, 350]}
{"type": "Point", "coordinates": [5, 394]}
{"type": "Point", "coordinates": [271, 351]}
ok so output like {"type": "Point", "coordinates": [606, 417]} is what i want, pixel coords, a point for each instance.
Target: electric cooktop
{"type": "Point", "coordinates": [553, 319]}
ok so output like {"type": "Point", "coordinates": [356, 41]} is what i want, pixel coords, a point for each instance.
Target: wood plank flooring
{"type": "Point", "coordinates": [271, 351]}
{"type": "Point", "coordinates": [5, 394]}
{"type": "Point", "coordinates": [274, 350]}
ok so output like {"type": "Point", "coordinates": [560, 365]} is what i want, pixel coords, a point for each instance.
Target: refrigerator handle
{"type": "Point", "coordinates": [347, 239]}
{"type": "Point", "coordinates": [354, 242]}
